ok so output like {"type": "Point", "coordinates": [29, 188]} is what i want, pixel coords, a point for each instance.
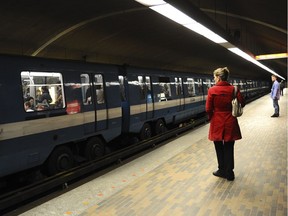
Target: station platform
{"type": "Point", "coordinates": [176, 178]}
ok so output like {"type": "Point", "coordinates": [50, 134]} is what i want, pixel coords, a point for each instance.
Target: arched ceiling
{"type": "Point", "coordinates": [126, 32]}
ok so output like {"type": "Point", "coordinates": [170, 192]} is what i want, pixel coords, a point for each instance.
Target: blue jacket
{"type": "Point", "coordinates": [275, 90]}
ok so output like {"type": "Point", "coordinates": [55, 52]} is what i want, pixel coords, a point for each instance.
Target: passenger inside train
{"type": "Point", "coordinates": [27, 107]}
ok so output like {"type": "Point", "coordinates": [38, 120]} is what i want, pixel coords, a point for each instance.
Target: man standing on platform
{"type": "Point", "coordinates": [275, 95]}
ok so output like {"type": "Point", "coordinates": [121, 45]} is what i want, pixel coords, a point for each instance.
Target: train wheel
{"type": "Point", "coordinates": [146, 132]}
{"type": "Point", "coordinates": [160, 127]}
{"type": "Point", "coordinates": [95, 148]}
{"type": "Point", "coordinates": [60, 160]}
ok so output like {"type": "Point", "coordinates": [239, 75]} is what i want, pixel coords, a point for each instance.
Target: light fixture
{"type": "Point", "coordinates": [271, 56]}
{"type": "Point", "coordinates": [178, 16]}
{"type": "Point", "coordinates": [244, 55]}
{"type": "Point", "coordinates": [150, 3]}
{"type": "Point", "coordinates": [181, 18]}
{"type": "Point", "coordinates": [173, 13]}
{"type": "Point", "coordinates": [202, 30]}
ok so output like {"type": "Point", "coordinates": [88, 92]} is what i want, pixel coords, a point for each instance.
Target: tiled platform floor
{"type": "Point", "coordinates": [177, 179]}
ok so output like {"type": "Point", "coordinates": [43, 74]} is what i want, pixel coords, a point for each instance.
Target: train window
{"type": "Point", "coordinates": [122, 88]}
{"type": "Point", "coordinates": [86, 89]}
{"type": "Point", "coordinates": [178, 86]}
{"type": "Point", "coordinates": [148, 83]}
{"type": "Point", "coordinates": [199, 90]}
{"type": "Point", "coordinates": [207, 84]}
{"type": "Point", "coordinates": [99, 87]}
{"type": "Point", "coordinates": [165, 89]}
{"type": "Point", "coordinates": [191, 87]}
{"type": "Point", "coordinates": [42, 90]}
{"type": "Point", "coordinates": [255, 84]}
{"type": "Point", "coordinates": [142, 87]}
{"type": "Point", "coordinates": [145, 88]}
{"type": "Point", "coordinates": [249, 84]}
{"type": "Point", "coordinates": [242, 85]}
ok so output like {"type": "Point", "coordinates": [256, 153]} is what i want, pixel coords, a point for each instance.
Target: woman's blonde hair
{"type": "Point", "coordinates": [223, 73]}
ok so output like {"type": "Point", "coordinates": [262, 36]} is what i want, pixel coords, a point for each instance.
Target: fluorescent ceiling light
{"type": "Point", "coordinates": [151, 2]}
{"type": "Point", "coordinates": [271, 56]}
{"type": "Point", "coordinates": [173, 13]}
{"type": "Point", "coordinates": [202, 30]}
{"type": "Point", "coordinates": [178, 16]}
{"type": "Point", "coordinates": [244, 55]}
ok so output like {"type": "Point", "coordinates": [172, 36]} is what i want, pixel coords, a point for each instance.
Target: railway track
{"type": "Point", "coordinates": [30, 193]}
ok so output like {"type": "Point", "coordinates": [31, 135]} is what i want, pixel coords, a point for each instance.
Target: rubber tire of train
{"type": "Point", "coordinates": [145, 132]}
{"type": "Point", "coordinates": [160, 127]}
{"type": "Point", "coordinates": [94, 148]}
{"type": "Point", "coordinates": [60, 160]}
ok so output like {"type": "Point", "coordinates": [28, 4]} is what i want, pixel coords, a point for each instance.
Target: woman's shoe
{"type": "Point", "coordinates": [230, 176]}
{"type": "Point", "coordinates": [219, 173]}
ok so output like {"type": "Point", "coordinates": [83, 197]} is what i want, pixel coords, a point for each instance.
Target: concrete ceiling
{"type": "Point", "coordinates": [126, 32]}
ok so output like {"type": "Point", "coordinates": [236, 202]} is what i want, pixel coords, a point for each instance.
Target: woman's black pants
{"type": "Point", "coordinates": [225, 156]}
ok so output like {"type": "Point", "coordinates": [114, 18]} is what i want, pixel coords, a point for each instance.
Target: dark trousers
{"type": "Point", "coordinates": [276, 106]}
{"type": "Point", "coordinates": [225, 156]}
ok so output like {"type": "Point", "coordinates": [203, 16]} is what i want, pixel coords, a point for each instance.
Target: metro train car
{"type": "Point", "coordinates": [57, 112]}
{"type": "Point", "coordinates": [157, 99]}
{"type": "Point", "coordinates": [76, 119]}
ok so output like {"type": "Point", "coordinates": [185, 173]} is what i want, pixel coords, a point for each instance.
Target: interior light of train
{"type": "Point", "coordinates": [271, 56]}
{"type": "Point", "coordinates": [176, 15]}
{"type": "Point", "coordinates": [35, 74]}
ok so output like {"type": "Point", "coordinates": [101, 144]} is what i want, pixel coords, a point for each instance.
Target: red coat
{"type": "Point", "coordinates": [223, 126]}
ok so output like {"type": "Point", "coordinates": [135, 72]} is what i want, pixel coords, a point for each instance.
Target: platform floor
{"type": "Point", "coordinates": [176, 179]}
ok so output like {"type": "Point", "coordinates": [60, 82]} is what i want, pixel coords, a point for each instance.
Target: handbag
{"type": "Point", "coordinates": [237, 110]}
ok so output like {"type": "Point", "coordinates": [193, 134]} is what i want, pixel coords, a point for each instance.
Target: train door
{"type": "Point", "coordinates": [123, 84]}
{"type": "Point", "coordinates": [94, 104]}
{"type": "Point", "coordinates": [100, 102]}
{"type": "Point", "coordinates": [146, 99]}
{"type": "Point", "coordinates": [88, 105]}
{"type": "Point", "coordinates": [200, 98]}
{"type": "Point", "coordinates": [149, 98]}
{"type": "Point", "coordinates": [179, 93]}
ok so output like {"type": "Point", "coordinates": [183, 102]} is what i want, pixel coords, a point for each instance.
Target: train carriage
{"type": "Point", "coordinates": [47, 133]}
{"type": "Point", "coordinates": [156, 99]}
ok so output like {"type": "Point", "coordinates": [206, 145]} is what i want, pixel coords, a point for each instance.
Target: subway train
{"type": "Point", "coordinates": [54, 112]}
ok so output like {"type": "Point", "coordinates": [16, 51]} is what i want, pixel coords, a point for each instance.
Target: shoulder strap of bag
{"type": "Point", "coordinates": [235, 91]}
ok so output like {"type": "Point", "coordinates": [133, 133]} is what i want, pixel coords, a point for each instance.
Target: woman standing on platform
{"type": "Point", "coordinates": [224, 128]}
